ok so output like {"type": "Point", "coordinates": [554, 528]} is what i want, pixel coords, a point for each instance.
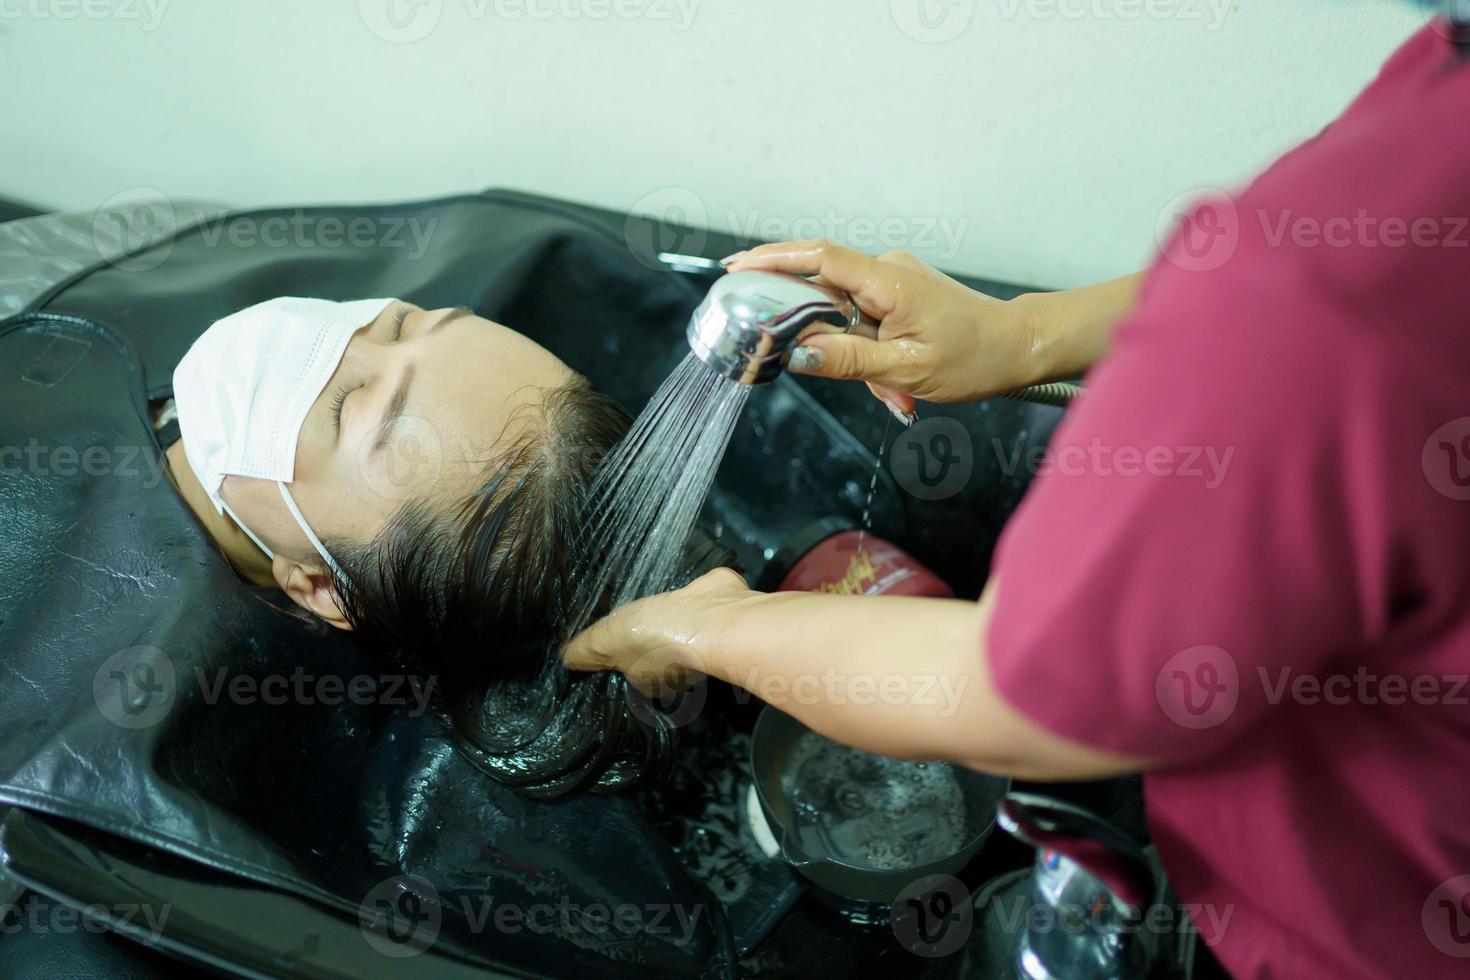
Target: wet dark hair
{"type": "Point", "coordinates": [478, 594]}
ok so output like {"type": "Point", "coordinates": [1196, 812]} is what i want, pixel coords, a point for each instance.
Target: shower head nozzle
{"type": "Point", "coordinates": [747, 324]}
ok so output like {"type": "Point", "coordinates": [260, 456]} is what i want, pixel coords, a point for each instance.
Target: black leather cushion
{"type": "Point", "coordinates": [45, 940]}
{"type": "Point", "coordinates": [109, 587]}
{"type": "Point", "coordinates": [10, 210]}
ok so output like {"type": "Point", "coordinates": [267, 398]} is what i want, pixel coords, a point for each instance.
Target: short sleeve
{"type": "Point", "coordinates": [1213, 517]}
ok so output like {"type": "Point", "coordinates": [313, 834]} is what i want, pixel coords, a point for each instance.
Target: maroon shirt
{"type": "Point", "coordinates": [1249, 558]}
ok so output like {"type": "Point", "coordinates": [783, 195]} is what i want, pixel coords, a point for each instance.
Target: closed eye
{"type": "Point", "coordinates": [338, 400]}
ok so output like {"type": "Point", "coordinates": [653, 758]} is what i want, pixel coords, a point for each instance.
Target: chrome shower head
{"type": "Point", "coordinates": [745, 328]}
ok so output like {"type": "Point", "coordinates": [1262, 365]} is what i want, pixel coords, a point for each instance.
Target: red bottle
{"type": "Point", "coordinates": [832, 556]}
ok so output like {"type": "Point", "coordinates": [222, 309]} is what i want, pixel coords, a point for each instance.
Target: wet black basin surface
{"type": "Point", "coordinates": [327, 804]}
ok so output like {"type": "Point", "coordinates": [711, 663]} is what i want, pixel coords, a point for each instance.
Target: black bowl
{"type": "Point", "coordinates": [771, 743]}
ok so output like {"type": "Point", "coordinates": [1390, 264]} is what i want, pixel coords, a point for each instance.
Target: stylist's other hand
{"type": "Point", "coordinates": [656, 641]}
{"type": "Point", "coordinates": [938, 340]}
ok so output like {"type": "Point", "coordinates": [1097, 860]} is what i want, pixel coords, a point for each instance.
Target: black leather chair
{"type": "Point", "coordinates": [266, 828]}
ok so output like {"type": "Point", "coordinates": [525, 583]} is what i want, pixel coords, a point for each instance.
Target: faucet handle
{"type": "Point", "coordinates": [749, 321]}
{"type": "Point", "coordinates": [1095, 883]}
{"type": "Point", "coordinates": [1090, 842]}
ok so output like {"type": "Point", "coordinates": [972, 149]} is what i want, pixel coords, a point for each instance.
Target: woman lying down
{"type": "Point", "coordinates": [415, 476]}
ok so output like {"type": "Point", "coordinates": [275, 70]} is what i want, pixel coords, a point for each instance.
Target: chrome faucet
{"type": "Point", "coordinates": [1096, 886]}
{"type": "Point", "coordinates": [748, 323]}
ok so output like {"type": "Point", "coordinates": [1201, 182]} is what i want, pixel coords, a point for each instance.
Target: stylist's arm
{"type": "Point", "coordinates": [897, 675]}
{"type": "Point", "coordinates": [905, 677]}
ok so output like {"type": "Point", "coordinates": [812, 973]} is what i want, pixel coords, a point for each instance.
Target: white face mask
{"type": "Point", "coordinates": [244, 390]}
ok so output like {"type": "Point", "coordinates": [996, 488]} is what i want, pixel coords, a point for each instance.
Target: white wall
{"type": "Point", "coordinates": [1039, 143]}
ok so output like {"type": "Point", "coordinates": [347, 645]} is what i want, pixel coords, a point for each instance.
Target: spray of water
{"type": "Point", "coordinates": [648, 493]}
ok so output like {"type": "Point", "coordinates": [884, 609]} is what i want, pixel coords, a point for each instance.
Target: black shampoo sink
{"type": "Point", "coordinates": [297, 818]}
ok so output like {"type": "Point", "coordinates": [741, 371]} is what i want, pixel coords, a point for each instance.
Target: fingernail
{"type": "Point", "coordinates": [732, 257]}
{"type": "Point", "coordinates": [805, 360]}
{"type": "Point", "coordinates": [904, 418]}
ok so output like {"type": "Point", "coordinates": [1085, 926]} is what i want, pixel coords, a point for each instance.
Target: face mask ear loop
{"type": "Point", "coordinates": [242, 526]}
{"type": "Point", "coordinates": [310, 534]}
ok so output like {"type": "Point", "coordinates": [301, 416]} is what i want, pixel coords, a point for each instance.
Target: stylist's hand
{"type": "Point", "coordinates": [938, 340]}
{"type": "Point", "coordinates": [655, 641]}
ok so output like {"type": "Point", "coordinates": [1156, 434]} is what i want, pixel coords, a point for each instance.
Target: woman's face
{"type": "Point", "coordinates": [414, 411]}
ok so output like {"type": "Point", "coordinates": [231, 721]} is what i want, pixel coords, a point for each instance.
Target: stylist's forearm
{"type": "Point", "coordinates": [824, 659]}
{"type": "Point", "coordinates": [902, 676]}
{"type": "Point", "coordinates": [1072, 330]}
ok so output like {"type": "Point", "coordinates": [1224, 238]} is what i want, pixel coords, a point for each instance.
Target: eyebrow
{"type": "Point", "coordinates": [454, 314]}
{"type": "Point", "coordinates": [394, 412]}
{"type": "Point", "coordinates": [399, 401]}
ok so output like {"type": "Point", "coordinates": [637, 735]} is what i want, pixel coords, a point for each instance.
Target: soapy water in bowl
{"type": "Point", "coordinates": [869, 811]}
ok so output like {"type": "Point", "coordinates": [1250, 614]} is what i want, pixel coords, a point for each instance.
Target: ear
{"type": "Point", "coordinates": [310, 587]}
